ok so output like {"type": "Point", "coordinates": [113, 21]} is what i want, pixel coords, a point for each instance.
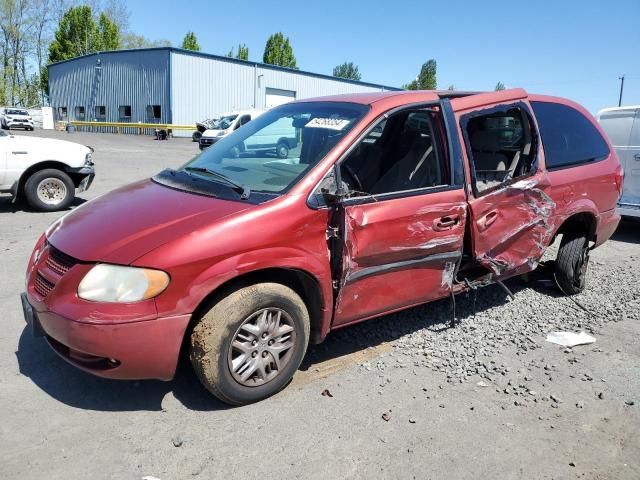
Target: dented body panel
{"type": "Point", "coordinates": [399, 253]}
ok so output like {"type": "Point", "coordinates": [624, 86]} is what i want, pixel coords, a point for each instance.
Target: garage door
{"type": "Point", "coordinates": [276, 97]}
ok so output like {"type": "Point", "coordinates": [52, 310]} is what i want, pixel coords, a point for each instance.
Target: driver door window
{"type": "Point", "coordinates": [399, 154]}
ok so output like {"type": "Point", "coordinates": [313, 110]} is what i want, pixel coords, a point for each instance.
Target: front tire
{"type": "Point", "coordinates": [282, 150]}
{"type": "Point", "coordinates": [49, 190]}
{"type": "Point", "coordinates": [196, 136]}
{"type": "Point", "coordinates": [248, 345]}
{"type": "Point", "coordinates": [572, 263]}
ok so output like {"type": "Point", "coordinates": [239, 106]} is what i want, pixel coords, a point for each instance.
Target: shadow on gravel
{"type": "Point", "coordinates": [628, 231]}
{"type": "Point", "coordinates": [8, 206]}
{"type": "Point", "coordinates": [435, 317]}
{"type": "Point", "coordinates": [75, 388]}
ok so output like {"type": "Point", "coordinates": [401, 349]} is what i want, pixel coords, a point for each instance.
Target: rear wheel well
{"type": "Point", "coordinates": [41, 166]}
{"type": "Point", "coordinates": [301, 282]}
{"type": "Point", "coordinates": [579, 223]}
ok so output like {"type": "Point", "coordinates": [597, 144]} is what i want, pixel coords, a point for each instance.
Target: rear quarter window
{"type": "Point", "coordinates": [568, 137]}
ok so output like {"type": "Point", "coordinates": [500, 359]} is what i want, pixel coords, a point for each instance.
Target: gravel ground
{"type": "Point", "coordinates": [404, 396]}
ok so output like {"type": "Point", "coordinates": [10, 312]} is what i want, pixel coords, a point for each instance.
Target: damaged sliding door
{"type": "Point", "coordinates": [510, 212]}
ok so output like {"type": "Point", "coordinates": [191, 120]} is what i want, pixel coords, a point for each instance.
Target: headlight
{"type": "Point", "coordinates": [88, 160]}
{"type": "Point", "coordinates": [115, 283]}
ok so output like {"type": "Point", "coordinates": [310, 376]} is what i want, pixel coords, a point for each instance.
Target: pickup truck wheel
{"type": "Point", "coordinates": [572, 263]}
{"type": "Point", "coordinates": [49, 190]}
{"type": "Point", "coordinates": [248, 345]}
{"type": "Point", "coordinates": [195, 137]}
{"type": "Point", "coordinates": [282, 150]}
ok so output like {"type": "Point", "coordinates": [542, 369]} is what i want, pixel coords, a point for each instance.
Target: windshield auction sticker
{"type": "Point", "coordinates": [330, 123]}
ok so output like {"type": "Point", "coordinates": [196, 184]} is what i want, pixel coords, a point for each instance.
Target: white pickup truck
{"type": "Point", "coordinates": [44, 171]}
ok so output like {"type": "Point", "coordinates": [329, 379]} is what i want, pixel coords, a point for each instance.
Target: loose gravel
{"type": "Point", "coordinates": [491, 322]}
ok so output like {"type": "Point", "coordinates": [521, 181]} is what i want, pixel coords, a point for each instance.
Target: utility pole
{"type": "Point", "coordinates": [621, 89]}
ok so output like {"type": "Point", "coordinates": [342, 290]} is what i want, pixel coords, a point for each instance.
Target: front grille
{"type": "Point", "coordinates": [59, 262]}
{"type": "Point", "coordinates": [42, 286]}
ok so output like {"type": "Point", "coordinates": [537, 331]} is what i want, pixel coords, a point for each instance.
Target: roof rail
{"type": "Point", "coordinates": [455, 93]}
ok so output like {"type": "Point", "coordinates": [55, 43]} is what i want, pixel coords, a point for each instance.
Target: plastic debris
{"type": "Point", "coordinates": [570, 339]}
{"type": "Point", "coordinates": [326, 393]}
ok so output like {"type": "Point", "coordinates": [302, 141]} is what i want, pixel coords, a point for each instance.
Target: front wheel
{"type": "Point", "coordinates": [196, 136]}
{"type": "Point", "coordinates": [49, 190]}
{"type": "Point", "coordinates": [572, 263]}
{"type": "Point", "coordinates": [282, 150]}
{"type": "Point", "coordinates": [248, 345]}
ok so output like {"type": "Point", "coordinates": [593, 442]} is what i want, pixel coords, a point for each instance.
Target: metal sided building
{"type": "Point", "coordinates": [171, 85]}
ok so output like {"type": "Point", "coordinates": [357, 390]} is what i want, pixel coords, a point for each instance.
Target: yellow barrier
{"type": "Point", "coordinates": [140, 126]}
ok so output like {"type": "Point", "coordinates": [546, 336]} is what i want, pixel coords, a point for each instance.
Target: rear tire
{"type": "Point", "coordinates": [572, 263]}
{"type": "Point", "coordinates": [240, 334]}
{"type": "Point", "coordinates": [49, 190]}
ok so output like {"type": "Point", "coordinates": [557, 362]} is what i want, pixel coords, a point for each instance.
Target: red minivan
{"type": "Point", "coordinates": [389, 200]}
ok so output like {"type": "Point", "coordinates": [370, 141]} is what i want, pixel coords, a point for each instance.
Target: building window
{"type": "Point", "coordinates": [153, 112]}
{"type": "Point", "coordinates": [125, 111]}
{"type": "Point", "coordinates": [101, 112]}
{"type": "Point", "coordinates": [79, 113]}
{"type": "Point", "coordinates": [62, 113]}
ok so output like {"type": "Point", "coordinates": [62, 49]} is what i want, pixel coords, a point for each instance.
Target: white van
{"type": "Point", "coordinates": [622, 125]}
{"type": "Point", "coordinates": [278, 137]}
{"type": "Point", "coordinates": [227, 123]}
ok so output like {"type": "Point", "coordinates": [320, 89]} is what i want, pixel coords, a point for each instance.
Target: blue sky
{"type": "Point", "coordinates": [574, 49]}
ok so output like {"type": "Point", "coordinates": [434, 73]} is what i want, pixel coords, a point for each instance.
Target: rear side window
{"type": "Point", "coordinates": [568, 137]}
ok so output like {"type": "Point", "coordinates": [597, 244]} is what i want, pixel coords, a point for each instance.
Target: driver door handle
{"type": "Point", "coordinates": [446, 222]}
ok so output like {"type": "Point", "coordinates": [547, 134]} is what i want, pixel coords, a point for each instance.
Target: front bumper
{"type": "Point", "coordinates": [206, 142]}
{"type": "Point", "coordinates": [19, 124]}
{"type": "Point", "coordinates": [113, 340]}
{"type": "Point", "coordinates": [133, 351]}
{"type": "Point", "coordinates": [87, 172]}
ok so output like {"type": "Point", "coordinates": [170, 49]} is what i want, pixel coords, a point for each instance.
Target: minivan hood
{"type": "Point", "coordinates": [131, 221]}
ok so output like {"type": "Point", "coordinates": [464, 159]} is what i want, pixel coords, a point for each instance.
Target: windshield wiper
{"type": "Point", "coordinates": [245, 191]}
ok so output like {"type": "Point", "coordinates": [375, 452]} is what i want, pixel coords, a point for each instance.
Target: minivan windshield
{"type": "Point", "coordinates": [271, 153]}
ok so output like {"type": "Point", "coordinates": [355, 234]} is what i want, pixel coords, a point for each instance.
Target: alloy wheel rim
{"type": "Point", "coordinates": [262, 347]}
{"type": "Point", "coordinates": [51, 191]}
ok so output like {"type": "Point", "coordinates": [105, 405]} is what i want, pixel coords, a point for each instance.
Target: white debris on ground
{"type": "Point", "coordinates": [570, 339]}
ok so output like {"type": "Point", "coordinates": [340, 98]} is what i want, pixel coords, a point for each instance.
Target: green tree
{"type": "Point", "coordinates": [190, 42]}
{"type": "Point", "coordinates": [108, 34]}
{"type": "Point", "coordinates": [347, 70]}
{"type": "Point", "coordinates": [131, 40]}
{"type": "Point", "coordinates": [77, 34]}
{"type": "Point", "coordinates": [278, 51]}
{"type": "Point", "coordinates": [499, 86]}
{"type": "Point", "coordinates": [426, 78]}
{"type": "Point", "coordinates": [243, 52]}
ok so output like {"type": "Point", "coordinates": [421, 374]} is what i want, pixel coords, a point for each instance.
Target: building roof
{"type": "Point", "coordinates": [231, 60]}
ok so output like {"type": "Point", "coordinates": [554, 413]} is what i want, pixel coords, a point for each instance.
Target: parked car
{"type": "Point", "coordinates": [226, 124]}
{"type": "Point", "coordinates": [622, 125]}
{"type": "Point", "coordinates": [395, 199]}
{"type": "Point", "coordinates": [13, 117]}
{"type": "Point", "coordinates": [46, 172]}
